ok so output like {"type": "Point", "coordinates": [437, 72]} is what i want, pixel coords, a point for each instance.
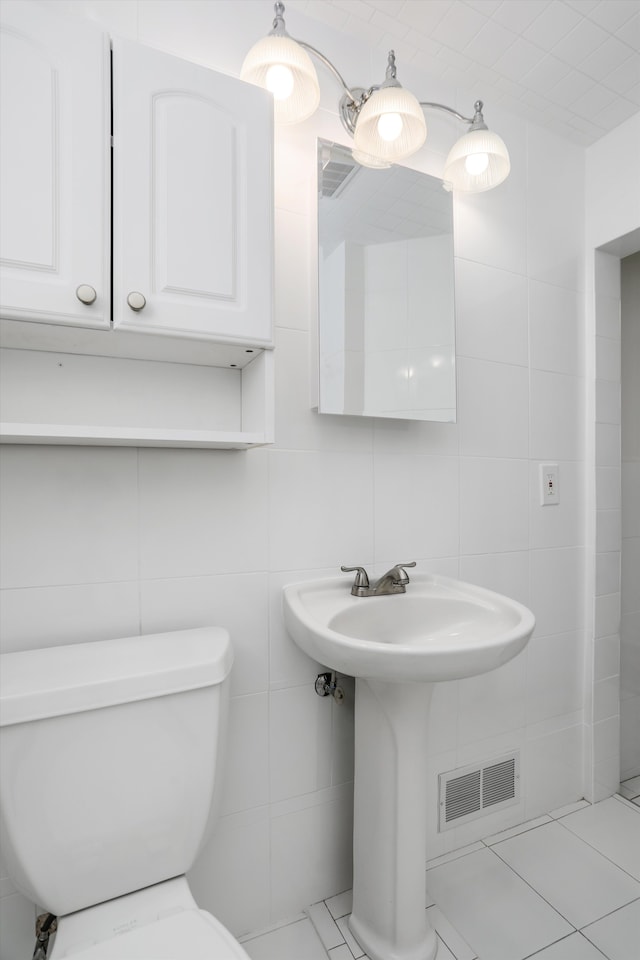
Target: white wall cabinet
{"type": "Point", "coordinates": [54, 168]}
{"type": "Point", "coordinates": [190, 258]}
{"type": "Point", "coordinates": [192, 199]}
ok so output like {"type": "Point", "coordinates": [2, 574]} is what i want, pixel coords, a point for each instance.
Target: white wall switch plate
{"type": "Point", "coordinates": [549, 484]}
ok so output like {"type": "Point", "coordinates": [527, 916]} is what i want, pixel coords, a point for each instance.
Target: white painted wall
{"type": "Point", "coordinates": [110, 542]}
{"type": "Point", "coordinates": [613, 185]}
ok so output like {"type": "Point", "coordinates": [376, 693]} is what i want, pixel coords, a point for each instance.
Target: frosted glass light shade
{"type": "Point", "coordinates": [281, 65]}
{"type": "Point", "coordinates": [374, 163]}
{"type": "Point", "coordinates": [478, 161]}
{"type": "Point", "coordinates": [372, 137]}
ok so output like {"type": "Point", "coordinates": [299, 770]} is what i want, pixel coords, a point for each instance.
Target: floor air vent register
{"type": "Point", "coordinates": [471, 792]}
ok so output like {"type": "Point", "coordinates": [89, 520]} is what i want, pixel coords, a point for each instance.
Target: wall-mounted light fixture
{"type": "Point", "coordinates": [386, 121]}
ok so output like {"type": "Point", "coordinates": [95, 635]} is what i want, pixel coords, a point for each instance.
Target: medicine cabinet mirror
{"type": "Point", "coordinates": [386, 290]}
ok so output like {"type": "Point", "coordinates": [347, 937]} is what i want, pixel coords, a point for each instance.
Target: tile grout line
{"type": "Point", "coordinates": [537, 892]}
{"type": "Point", "coordinates": [597, 850]}
{"type": "Point", "coordinates": [556, 909]}
{"type": "Point", "coordinates": [622, 906]}
{"type": "Point", "coordinates": [539, 953]}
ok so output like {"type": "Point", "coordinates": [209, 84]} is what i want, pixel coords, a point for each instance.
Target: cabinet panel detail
{"type": "Point", "coordinates": [29, 86]}
{"type": "Point", "coordinates": [195, 195]}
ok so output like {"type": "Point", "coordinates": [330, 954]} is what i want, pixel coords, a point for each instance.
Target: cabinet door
{"type": "Point", "coordinates": [193, 200]}
{"type": "Point", "coordinates": [54, 168]}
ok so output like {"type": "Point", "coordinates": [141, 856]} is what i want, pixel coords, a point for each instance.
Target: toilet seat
{"type": "Point", "coordinates": [187, 935]}
{"type": "Point", "coordinates": [162, 922]}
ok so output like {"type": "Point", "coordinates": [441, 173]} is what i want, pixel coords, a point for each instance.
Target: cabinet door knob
{"type": "Point", "coordinates": [86, 294]}
{"type": "Point", "coordinates": [136, 300]}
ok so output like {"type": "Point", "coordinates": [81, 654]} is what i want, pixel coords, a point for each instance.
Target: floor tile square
{"type": "Point", "coordinates": [613, 828]}
{"type": "Point", "coordinates": [355, 947]}
{"type": "Point", "coordinates": [617, 935]}
{"type": "Point", "coordinates": [340, 905]}
{"type": "Point", "coordinates": [575, 947]}
{"type": "Point", "coordinates": [495, 911]}
{"type": "Point", "coordinates": [341, 953]}
{"type": "Point", "coordinates": [631, 787]}
{"type": "Point", "coordinates": [297, 939]}
{"type": "Point", "coordinates": [325, 926]}
{"type": "Point", "coordinates": [443, 951]}
{"type": "Point", "coordinates": [575, 879]}
{"type": "Point", "coordinates": [459, 948]}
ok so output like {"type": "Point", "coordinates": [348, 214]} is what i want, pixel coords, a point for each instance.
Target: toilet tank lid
{"type": "Point", "coordinates": [59, 680]}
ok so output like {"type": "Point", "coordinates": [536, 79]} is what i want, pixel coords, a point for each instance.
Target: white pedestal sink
{"type": "Point", "coordinates": [397, 647]}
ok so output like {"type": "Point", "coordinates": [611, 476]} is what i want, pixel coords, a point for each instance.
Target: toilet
{"type": "Point", "coordinates": [111, 762]}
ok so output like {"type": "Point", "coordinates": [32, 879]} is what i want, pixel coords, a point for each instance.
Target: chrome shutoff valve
{"type": "Point", "coordinates": [327, 686]}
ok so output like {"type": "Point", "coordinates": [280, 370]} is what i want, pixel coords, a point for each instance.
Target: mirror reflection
{"type": "Point", "coordinates": [386, 290]}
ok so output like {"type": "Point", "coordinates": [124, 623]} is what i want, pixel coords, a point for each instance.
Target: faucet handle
{"type": "Point", "coordinates": [362, 578]}
{"type": "Point", "coordinates": [401, 575]}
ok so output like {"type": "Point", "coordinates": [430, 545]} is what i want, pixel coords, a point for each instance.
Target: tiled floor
{"type": "Point", "coordinates": [631, 790]}
{"type": "Point", "coordinates": [562, 887]}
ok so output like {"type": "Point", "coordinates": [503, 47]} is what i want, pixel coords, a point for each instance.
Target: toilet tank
{"type": "Point", "coordinates": [110, 752]}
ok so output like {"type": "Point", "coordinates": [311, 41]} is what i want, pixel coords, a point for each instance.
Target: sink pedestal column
{"type": "Point", "coordinates": [389, 918]}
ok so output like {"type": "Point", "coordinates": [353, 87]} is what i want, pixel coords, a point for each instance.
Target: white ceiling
{"type": "Point", "coordinates": [572, 65]}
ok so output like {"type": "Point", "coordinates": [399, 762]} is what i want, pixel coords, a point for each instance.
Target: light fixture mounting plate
{"type": "Point", "coordinates": [350, 108]}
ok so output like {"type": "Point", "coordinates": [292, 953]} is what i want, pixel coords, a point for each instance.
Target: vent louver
{"type": "Point", "coordinates": [468, 793]}
{"type": "Point", "coordinates": [498, 782]}
{"type": "Point", "coordinates": [463, 796]}
{"type": "Point", "coordinates": [337, 169]}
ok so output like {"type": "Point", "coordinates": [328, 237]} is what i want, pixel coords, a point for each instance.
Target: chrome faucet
{"type": "Point", "coordinates": [393, 581]}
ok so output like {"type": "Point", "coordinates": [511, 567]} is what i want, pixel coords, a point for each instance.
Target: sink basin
{"type": "Point", "coordinates": [440, 629]}
{"type": "Point", "coordinates": [397, 647]}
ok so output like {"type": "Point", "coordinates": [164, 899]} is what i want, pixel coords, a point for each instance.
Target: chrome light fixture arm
{"type": "Point", "coordinates": [476, 121]}
{"type": "Point", "coordinates": [352, 99]}
{"type": "Point", "coordinates": [352, 94]}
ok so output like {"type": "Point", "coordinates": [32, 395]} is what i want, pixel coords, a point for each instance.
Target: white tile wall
{"type": "Point", "coordinates": [557, 592]}
{"type": "Point", "coordinates": [241, 601]}
{"type": "Point", "coordinates": [604, 712]}
{"type": "Point", "coordinates": [553, 763]}
{"type": "Point", "coordinates": [310, 850]}
{"type": "Point", "coordinates": [415, 506]}
{"type": "Point", "coordinates": [185, 531]}
{"type": "Point", "coordinates": [556, 328]}
{"type": "Point", "coordinates": [82, 510]}
{"type": "Point", "coordinates": [489, 425]}
{"type": "Point", "coordinates": [556, 416]}
{"type": "Point", "coordinates": [242, 843]}
{"type": "Point", "coordinates": [491, 313]}
{"type": "Point", "coordinates": [612, 207]}
{"type": "Point", "coordinates": [105, 542]}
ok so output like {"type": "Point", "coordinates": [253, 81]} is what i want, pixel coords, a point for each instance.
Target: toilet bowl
{"type": "Point", "coordinates": [111, 769]}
